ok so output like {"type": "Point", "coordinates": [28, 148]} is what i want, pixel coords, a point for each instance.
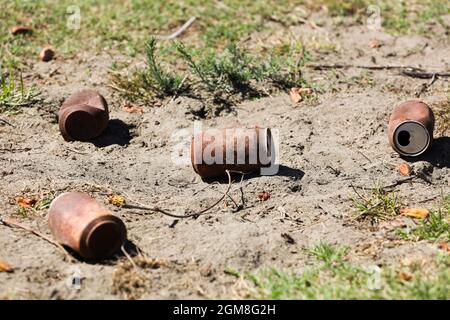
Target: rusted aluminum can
{"type": "Point", "coordinates": [217, 150]}
{"type": "Point", "coordinates": [83, 116]}
{"type": "Point", "coordinates": [410, 129]}
{"type": "Point", "coordinates": [79, 222]}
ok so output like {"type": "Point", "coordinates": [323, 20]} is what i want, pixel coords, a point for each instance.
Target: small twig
{"type": "Point", "coordinates": [76, 151]}
{"type": "Point", "coordinates": [417, 73]}
{"type": "Point", "coordinates": [363, 213]}
{"type": "Point", "coordinates": [195, 214]}
{"type": "Point", "coordinates": [361, 153]}
{"type": "Point", "coordinates": [398, 182]}
{"type": "Point", "coordinates": [177, 90]}
{"type": "Point", "coordinates": [405, 70]}
{"type": "Point", "coordinates": [241, 188]}
{"type": "Point", "coordinates": [6, 122]}
{"type": "Point", "coordinates": [183, 28]}
{"type": "Point", "coordinates": [357, 193]}
{"type": "Point", "coordinates": [429, 199]}
{"type": "Point", "coordinates": [425, 86]}
{"type": "Point", "coordinates": [393, 185]}
{"type": "Point", "coordinates": [13, 224]}
{"type": "Point", "coordinates": [122, 248]}
{"type": "Point", "coordinates": [347, 66]}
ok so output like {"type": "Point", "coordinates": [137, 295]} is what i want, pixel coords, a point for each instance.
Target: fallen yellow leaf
{"type": "Point", "coordinates": [116, 200]}
{"type": "Point", "coordinates": [404, 276]}
{"type": "Point", "coordinates": [5, 267]}
{"type": "Point", "coordinates": [417, 213]}
{"type": "Point", "coordinates": [297, 94]}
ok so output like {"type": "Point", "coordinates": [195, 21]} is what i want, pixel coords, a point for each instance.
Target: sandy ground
{"type": "Point", "coordinates": [324, 149]}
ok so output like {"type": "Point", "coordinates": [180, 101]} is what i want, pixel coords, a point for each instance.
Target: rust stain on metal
{"type": "Point", "coordinates": [217, 150]}
{"type": "Point", "coordinates": [78, 221]}
{"type": "Point", "coordinates": [83, 116]}
{"type": "Point", "coordinates": [410, 130]}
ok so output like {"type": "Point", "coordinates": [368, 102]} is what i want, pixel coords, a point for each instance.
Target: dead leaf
{"type": "Point", "coordinates": [297, 94]}
{"type": "Point", "coordinates": [20, 30]}
{"type": "Point", "coordinates": [263, 195]}
{"type": "Point", "coordinates": [417, 213]}
{"type": "Point", "coordinates": [444, 245]}
{"type": "Point", "coordinates": [404, 276]}
{"type": "Point", "coordinates": [374, 43]}
{"type": "Point", "coordinates": [116, 200]}
{"type": "Point", "coordinates": [25, 202]}
{"type": "Point", "coordinates": [132, 109]}
{"type": "Point", "coordinates": [5, 267]}
{"type": "Point", "coordinates": [404, 169]}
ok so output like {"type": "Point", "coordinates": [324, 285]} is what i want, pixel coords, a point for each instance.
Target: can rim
{"type": "Point", "coordinates": [411, 154]}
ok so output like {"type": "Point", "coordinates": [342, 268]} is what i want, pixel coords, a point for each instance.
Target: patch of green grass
{"type": "Point", "coordinates": [435, 227]}
{"type": "Point", "coordinates": [345, 8]}
{"type": "Point", "coordinates": [434, 11]}
{"type": "Point", "coordinates": [376, 204]}
{"type": "Point", "coordinates": [344, 280]}
{"type": "Point", "coordinates": [143, 85]}
{"type": "Point", "coordinates": [163, 82]}
{"type": "Point", "coordinates": [232, 70]}
{"type": "Point", "coordinates": [329, 254]}
{"type": "Point", "coordinates": [235, 69]}
{"type": "Point", "coordinates": [125, 25]}
{"type": "Point", "coordinates": [13, 93]}
{"type": "Point", "coordinates": [396, 18]}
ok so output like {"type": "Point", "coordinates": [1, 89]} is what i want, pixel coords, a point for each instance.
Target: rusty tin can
{"type": "Point", "coordinates": [79, 222]}
{"type": "Point", "coordinates": [410, 129]}
{"type": "Point", "coordinates": [83, 116]}
{"type": "Point", "coordinates": [216, 150]}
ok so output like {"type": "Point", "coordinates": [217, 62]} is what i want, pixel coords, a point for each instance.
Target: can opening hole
{"type": "Point", "coordinates": [404, 138]}
{"type": "Point", "coordinates": [105, 240]}
{"type": "Point", "coordinates": [269, 143]}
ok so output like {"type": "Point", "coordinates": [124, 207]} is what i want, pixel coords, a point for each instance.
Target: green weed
{"type": "Point", "coordinates": [344, 280]}
{"type": "Point", "coordinates": [235, 69]}
{"type": "Point", "coordinates": [376, 204]}
{"type": "Point", "coordinates": [435, 227]}
{"type": "Point", "coordinates": [166, 83]}
{"type": "Point", "coordinates": [13, 94]}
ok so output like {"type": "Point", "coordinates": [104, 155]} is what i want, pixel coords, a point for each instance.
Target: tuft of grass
{"type": "Point", "coordinates": [235, 69]}
{"type": "Point", "coordinates": [163, 82]}
{"type": "Point", "coordinates": [13, 94]}
{"type": "Point", "coordinates": [344, 280]}
{"type": "Point", "coordinates": [376, 204]}
{"type": "Point", "coordinates": [124, 25]}
{"type": "Point", "coordinates": [144, 85]}
{"type": "Point", "coordinates": [328, 254]}
{"type": "Point", "coordinates": [435, 227]}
